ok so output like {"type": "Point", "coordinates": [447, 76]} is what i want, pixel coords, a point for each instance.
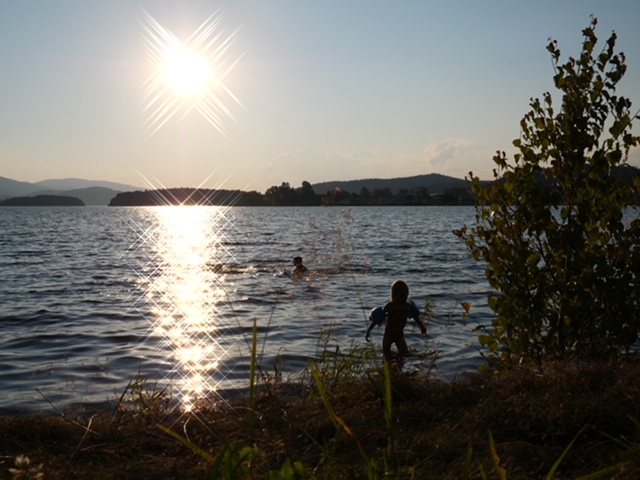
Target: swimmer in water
{"type": "Point", "coordinates": [298, 267]}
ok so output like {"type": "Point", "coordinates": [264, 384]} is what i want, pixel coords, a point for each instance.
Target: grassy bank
{"type": "Point", "coordinates": [575, 420]}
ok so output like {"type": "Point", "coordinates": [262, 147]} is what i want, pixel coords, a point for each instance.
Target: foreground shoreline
{"type": "Point", "coordinates": [574, 420]}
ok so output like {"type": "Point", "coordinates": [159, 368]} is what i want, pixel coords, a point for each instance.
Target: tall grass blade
{"type": "Point", "coordinates": [187, 443]}
{"type": "Point", "coordinates": [370, 464]}
{"type": "Point", "coordinates": [254, 339]}
{"type": "Point", "coordinates": [604, 473]}
{"type": "Point", "coordinates": [388, 416]}
{"type": "Point", "coordinates": [232, 462]}
{"type": "Point", "coordinates": [559, 460]}
{"type": "Point", "coordinates": [496, 458]}
{"type": "Point", "coordinates": [325, 398]}
{"type": "Point", "coordinates": [467, 464]}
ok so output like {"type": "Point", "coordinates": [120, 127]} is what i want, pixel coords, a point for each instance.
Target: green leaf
{"type": "Point", "coordinates": [533, 260]}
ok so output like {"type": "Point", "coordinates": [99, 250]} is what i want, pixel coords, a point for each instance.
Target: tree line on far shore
{"type": "Point", "coordinates": [305, 195]}
{"type": "Point", "coordinates": [43, 201]}
{"type": "Point", "coordinates": [286, 195]}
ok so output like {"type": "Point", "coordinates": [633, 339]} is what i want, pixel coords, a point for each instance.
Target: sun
{"type": "Point", "coordinates": [187, 71]}
{"type": "Point", "coordinates": [188, 74]}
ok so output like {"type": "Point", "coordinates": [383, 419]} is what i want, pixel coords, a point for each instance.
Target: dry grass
{"type": "Point", "coordinates": [437, 430]}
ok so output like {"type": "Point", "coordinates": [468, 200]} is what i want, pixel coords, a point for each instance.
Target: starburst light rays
{"type": "Point", "coordinates": [180, 248]}
{"type": "Point", "coordinates": [188, 75]}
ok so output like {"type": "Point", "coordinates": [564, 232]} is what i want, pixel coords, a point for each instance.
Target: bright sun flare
{"type": "Point", "coordinates": [188, 75]}
{"type": "Point", "coordinates": [187, 71]}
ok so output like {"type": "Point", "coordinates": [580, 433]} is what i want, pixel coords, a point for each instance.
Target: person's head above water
{"type": "Point", "coordinates": [298, 267]}
{"type": "Point", "coordinates": [399, 291]}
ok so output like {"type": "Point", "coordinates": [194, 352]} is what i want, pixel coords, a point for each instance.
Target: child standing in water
{"type": "Point", "coordinates": [396, 312]}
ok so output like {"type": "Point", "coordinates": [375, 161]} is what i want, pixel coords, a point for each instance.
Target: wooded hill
{"type": "Point", "coordinates": [436, 183]}
{"type": "Point", "coordinates": [43, 201]}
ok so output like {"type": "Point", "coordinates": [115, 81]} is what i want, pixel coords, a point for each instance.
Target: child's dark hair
{"type": "Point", "coordinates": [399, 291]}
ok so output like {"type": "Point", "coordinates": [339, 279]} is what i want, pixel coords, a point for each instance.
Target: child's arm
{"type": "Point", "coordinates": [368, 334]}
{"type": "Point", "coordinates": [423, 329]}
{"type": "Point", "coordinates": [415, 314]}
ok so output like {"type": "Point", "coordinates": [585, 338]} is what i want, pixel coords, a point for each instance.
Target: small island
{"type": "Point", "coordinates": [43, 201]}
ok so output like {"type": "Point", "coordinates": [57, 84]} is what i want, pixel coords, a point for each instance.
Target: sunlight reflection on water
{"type": "Point", "coordinates": [188, 294]}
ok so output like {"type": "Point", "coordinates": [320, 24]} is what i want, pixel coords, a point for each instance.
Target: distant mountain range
{"type": "Point", "coordinates": [436, 183]}
{"type": "Point", "coordinates": [91, 192]}
{"type": "Point", "coordinates": [98, 192]}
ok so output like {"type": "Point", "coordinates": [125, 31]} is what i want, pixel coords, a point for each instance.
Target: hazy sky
{"type": "Point", "coordinates": [326, 90]}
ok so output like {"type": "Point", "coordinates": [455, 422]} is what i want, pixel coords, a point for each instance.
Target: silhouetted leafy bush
{"type": "Point", "coordinates": [551, 227]}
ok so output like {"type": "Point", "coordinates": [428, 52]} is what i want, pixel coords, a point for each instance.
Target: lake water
{"type": "Point", "coordinates": [91, 297]}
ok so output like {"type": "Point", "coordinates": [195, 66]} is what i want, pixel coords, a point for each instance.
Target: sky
{"type": "Point", "coordinates": [297, 90]}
